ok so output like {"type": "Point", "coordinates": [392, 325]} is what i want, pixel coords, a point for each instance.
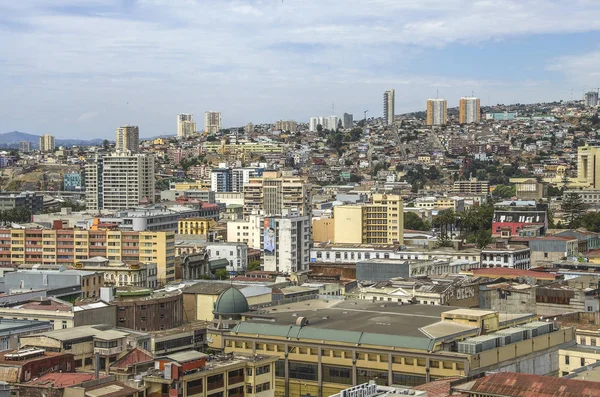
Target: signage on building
{"type": "Point", "coordinates": [364, 390]}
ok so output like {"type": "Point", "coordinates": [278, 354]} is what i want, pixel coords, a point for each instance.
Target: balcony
{"type": "Point", "coordinates": [107, 351]}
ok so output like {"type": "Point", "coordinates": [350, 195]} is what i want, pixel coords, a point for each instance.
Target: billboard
{"type": "Point", "coordinates": [269, 240]}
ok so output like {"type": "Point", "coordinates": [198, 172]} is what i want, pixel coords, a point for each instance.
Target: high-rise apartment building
{"type": "Point", "coordinates": [588, 166]}
{"type": "Point", "coordinates": [327, 122]}
{"type": "Point", "coordinates": [590, 98]}
{"type": "Point", "coordinates": [471, 186]}
{"type": "Point", "coordinates": [469, 110]}
{"type": "Point", "coordinates": [273, 193]}
{"type": "Point", "coordinates": [70, 246]}
{"type": "Point", "coordinates": [120, 181]}
{"type": "Point", "coordinates": [47, 143]}
{"type": "Point", "coordinates": [127, 139]}
{"type": "Point", "coordinates": [347, 121]}
{"type": "Point", "coordinates": [389, 103]}
{"type": "Point", "coordinates": [25, 146]}
{"type": "Point", "coordinates": [212, 122]}
{"type": "Point", "coordinates": [232, 179]}
{"type": "Point", "coordinates": [286, 125]}
{"type": "Point", "coordinates": [437, 112]}
{"type": "Point", "coordinates": [378, 222]}
{"type": "Point", "coordinates": [186, 126]}
{"type": "Point", "coordinates": [249, 128]}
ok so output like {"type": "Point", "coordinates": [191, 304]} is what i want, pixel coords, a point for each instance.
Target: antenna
{"type": "Point", "coordinates": [437, 94]}
{"type": "Point", "coordinates": [332, 109]}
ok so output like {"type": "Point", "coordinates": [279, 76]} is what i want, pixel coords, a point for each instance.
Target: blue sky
{"type": "Point", "coordinates": [80, 68]}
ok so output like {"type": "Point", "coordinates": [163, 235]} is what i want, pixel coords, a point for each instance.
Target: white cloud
{"type": "Point", "coordinates": [251, 59]}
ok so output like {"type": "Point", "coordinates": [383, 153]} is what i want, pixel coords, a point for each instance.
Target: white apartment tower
{"type": "Point", "coordinates": [47, 143]}
{"type": "Point", "coordinates": [389, 101]}
{"type": "Point", "coordinates": [327, 122]}
{"type": "Point", "coordinates": [437, 111]}
{"type": "Point", "coordinates": [469, 110]}
{"type": "Point", "coordinates": [127, 139]}
{"type": "Point", "coordinates": [273, 193]}
{"type": "Point", "coordinates": [212, 122]}
{"type": "Point", "coordinates": [590, 99]}
{"type": "Point", "coordinates": [186, 126]}
{"type": "Point", "coordinates": [120, 181]}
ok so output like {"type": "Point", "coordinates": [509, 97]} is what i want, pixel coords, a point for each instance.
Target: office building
{"type": "Point", "coordinates": [273, 193]}
{"type": "Point", "coordinates": [88, 283]}
{"type": "Point", "coordinates": [120, 181]}
{"type": "Point", "coordinates": [47, 143]}
{"type": "Point", "coordinates": [326, 347]}
{"type": "Point", "coordinates": [588, 166]}
{"type": "Point", "coordinates": [286, 125]}
{"type": "Point", "coordinates": [212, 122]}
{"type": "Point", "coordinates": [220, 180]}
{"type": "Point", "coordinates": [249, 128]}
{"type": "Point", "coordinates": [379, 222]}
{"type": "Point", "coordinates": [347, 121]}
{"type": "Point", "coordinates": [142, 309]}
{"type": "Point", "coordinates": [127, 139]}
{"type": "Point", "coordinates": [389, 103]}
{"type": "Point", "coordinates": [285, 243]}
{"type": "Point", "coordinates": [238, 375]}
{"type": "Point", "coordinates": [25, 146]}
{"type": "Point", "coordinates": [69, 246]}
{"type": "Point", "coordinates": [186, 126]}
{"type": "Point", "coordinates": [232, 179]}
{"type": "Point", "coordinates": [32, 201]}
{"type": "Point", "coordinates": [590, 99]}
{"type": "Point", "coordinates": [73, 181]}
{"type": "Point", "coordinates": [437, 111]}
{"type": "Point", "coordinates": [469, 110]}
{"type": "Point", "coordinates": [121, 274]}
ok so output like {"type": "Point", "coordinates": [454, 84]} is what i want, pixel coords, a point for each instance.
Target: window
{"type": "Point", "coordinates": [593, 341]}
{"type": "Point", "coordinates": [582, 362]}
{"type": "Point", "coordinates": [64, 324]}
{"type": "Point", "coordinates": [337, 375]}
{"type": "Point", "coordinates": [567, 360]}
{"type": "Point", "coordinates": [300, 370]}
{"type": "Point", "coordinates": [263, 387]}
{"type": "Point", "coordinates": [265, 369]}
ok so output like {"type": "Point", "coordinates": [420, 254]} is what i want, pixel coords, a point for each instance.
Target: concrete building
{"type": "Point", "coordinates": [27, 280]}
{"type": "Point", "coordinates": [32, 201]}
{"type": "Point", "coordinates": [588, 166]}
{"type": "Point", "coordinates": [141, 309]}
{"type": "Point", "coordinates": [273, 193]}
{"type": "Point", "coordinates": [503, 255]}
{"type": "Point", "coordinates": [152, 218]}
{"type": "Point", "coordinates": [12, 330]}
{"type": "Point", "coordinates": [69, 246]}
{"type": "Point", "coordinates": [286, 125]}
{"type": "Point", "coordinates": [60, 314]}
{"type": "Point", "coordinates": [591, 197]}
{"type": "Point", "coordinates": [375, 270]}
{"type": "Point", "coordinates": [236, 375]}
{"type": "Point", "coordinates": [47, 143]}
{"type": "Point", "coordinates": [212, 122]}
{"type": "Point", "coordinates": [326, 347]}
{"type": "Point", "coordinates": [203, 195]}
{"type": "Point", "coordinates": [186, 126]}
{"type": "Point", "coordinates": [236, 254]}
{"type": "Point", "coordinates": [327, 123]}
{"type": "Point", "coordinates": [127, 139]}
{"type": "Point", "coordinates": [347, 121]}
{"type": "Point", "coordinates": [120, 181]}
{"type": "Point", "coordinates": [73, 181]}
{"type": "Point", "coordinates": [247, 231]}
{"type": "Point", "coordinates": [285, 243]}
{"type": "Point", "coordinates": [25, 146]}
{"type": "Point", "coordinates": [389, 106]}
{"type": "Point", "coordinates": [437, 112]}
{"type": "Point", "coordinates": [379, 222]}
{"type": "Point", "coordinates": [529, 189]}
{"type": "Point", "coordinates": [590, 99]}
{"type": "Point", "coordinates": [469, 110]}
{"type": "Point", "coordinates": [225, 180]}
{"type": "Point", "coordinates": [122, 274]}
{"type": "Point", "coordinates": [552, 249]}
{"type": "Point", "coordinates": [471, 186]}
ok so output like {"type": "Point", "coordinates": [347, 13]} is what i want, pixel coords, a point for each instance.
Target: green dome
{"type": "Point", "coordinates": [231, 301]}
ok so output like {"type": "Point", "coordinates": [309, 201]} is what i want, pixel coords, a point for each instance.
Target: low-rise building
{"type": "Point", "coordinates": [122, 274]}
{"type": "Point", "coordinates": [19, 366]}
{"type": "Point", "coordinates": [89, 282]}
{"type": "Point", "coordinates": [506, 255]}
{"type": "Point", "coordinates": [141, 309]}
{"type": "Point", "coordinates": [11, 330]}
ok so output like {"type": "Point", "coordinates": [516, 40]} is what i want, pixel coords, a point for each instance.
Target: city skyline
{"type": "Point", "coordinates": [85, 68]}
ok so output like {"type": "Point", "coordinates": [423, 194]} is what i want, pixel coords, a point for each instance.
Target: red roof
{"type": "Point", "coordinates": [437, 388]}
{"type": "Point", "coordinates": [523, 385]}
{"type": "Point", "coordinates": [134, 356]}
{"type": "Point", "coordinates": [59, 380]}
{"type": "Point", "coordinates": [507, 272]}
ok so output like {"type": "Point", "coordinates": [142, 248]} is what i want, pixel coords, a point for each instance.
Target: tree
{"type": "Point", "coordinates": [573, 206]}
{"type": "Point", "coordinates": [445, 220]}
{"type": "Point", "coordinates": [433, 173]}
{"type": "Point", "coordinates": [413, 221]}
{"type": "Point", "coordinates": [105, 144]}
{"type": "Point", "coordinates": [211, 138]}
{"type": "Point", "coordinates": [319, 128]}
{"type": "Point", "coordinates": [222, 274]}
{"type": "Point", "coordinates": [595, 119]}
{"type": "Point", "coordinates": [503, 191]}
{"type": "Point", "coordinates": [484, 237]}
{"type": "Point", "coordinates": [254, 265]}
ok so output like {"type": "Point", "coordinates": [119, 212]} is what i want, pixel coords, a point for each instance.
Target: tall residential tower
{"type": "Point", "coordinates": [186, 126]}
{"type": "Point", "coordinates": [389, 106]}
{"type": "Point", "coordinates": [469, 110]}
{"type": "Point", "coordinates": [128, 139]}
{"type": "Point", "coordinates": [437, 111]}
{"type": "Point", "coordinates": [47, 143]}
{"type": "Point", "coordinates": [212, 122]}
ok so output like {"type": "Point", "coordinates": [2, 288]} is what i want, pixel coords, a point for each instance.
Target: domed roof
{"type": "Point", "coordinates": [231, 301]}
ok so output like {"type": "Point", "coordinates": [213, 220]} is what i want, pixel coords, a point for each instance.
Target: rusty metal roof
{"type": "Point", "coordinates": [524, 385]}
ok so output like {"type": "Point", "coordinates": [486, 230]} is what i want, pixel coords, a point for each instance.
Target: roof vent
{"type": "Point", "coordinates": [295, 315]}
{"type": "Point", "coordinates": [325, 317]}
{"type": "Point", "coordinates": [301, 321]}
{"type": "Point", "coordinates": [381, 305]}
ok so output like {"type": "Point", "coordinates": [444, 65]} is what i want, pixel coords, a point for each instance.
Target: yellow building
{"type": "Point", "coordinates": [196, 226]}
{"type": "Point", "coordinates": [586, 352]}
{"type": "Point", "coordinates": [191, 374]}
{"type": "Point", "coordinates": [469, 110]}
{"type": "Point", "coordinates": [588, 166]}
{"type": "Point", "coordinates": [424, 159]}
{"type": "Point", "coordinates": [323, 230]}
{"type": "Point", "coordinates": [197, 185]}
{"type": "Point", "coordinates": [241, 148]}
{"type": "Point", "coordinates": [379, 222]}
{"type": "Point", "coordinates": [325, 347]}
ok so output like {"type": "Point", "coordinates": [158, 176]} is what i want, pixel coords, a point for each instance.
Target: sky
{"type": "Point", "coordinates": [81, 68]}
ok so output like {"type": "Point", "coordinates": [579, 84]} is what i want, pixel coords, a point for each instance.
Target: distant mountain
{"type": "Point", "coordinates": [11, 140]}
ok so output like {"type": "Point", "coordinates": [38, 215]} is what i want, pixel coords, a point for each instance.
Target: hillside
{"type": "Point", "coordinates": [11, 140]}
